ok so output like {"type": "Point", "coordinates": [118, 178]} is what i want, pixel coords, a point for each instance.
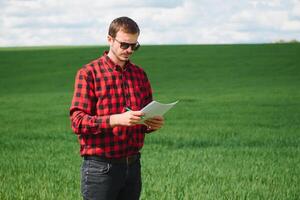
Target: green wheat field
{"type": "Point", "coordinates": [235, 134]}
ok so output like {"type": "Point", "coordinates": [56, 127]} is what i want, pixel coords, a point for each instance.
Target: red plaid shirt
{"type": "Point", "coordinates": [102, 88]}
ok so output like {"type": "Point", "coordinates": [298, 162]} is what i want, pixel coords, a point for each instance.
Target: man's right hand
{"type": "Point", "coordinates": [129, 118]}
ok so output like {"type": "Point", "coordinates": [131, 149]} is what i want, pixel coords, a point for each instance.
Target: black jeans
{"type": "Point", "coordinates": [106, 181]}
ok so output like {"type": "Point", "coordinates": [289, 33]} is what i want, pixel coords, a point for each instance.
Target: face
{"type": "Point", "coordinates": [118, 46]}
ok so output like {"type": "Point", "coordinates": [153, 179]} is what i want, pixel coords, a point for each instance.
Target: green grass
{"type": "Point", "coordinates": [234, 135]}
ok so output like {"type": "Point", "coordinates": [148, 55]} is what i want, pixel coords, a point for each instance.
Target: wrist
{"type": "Point", "coordinates": [114, 120]}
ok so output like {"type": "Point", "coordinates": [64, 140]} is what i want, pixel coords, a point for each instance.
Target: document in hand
{"type": "Point", "coordinates": [155, 108]}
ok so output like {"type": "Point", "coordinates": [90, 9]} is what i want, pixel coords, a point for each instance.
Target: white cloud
{"type": "Point", "coordinates": [296, 8]}
{"type": "Point", "coordinates": [73, 22]}
{"type": "Point", "coordinates": [268, 20]}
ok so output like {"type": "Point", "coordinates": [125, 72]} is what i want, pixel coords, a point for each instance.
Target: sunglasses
{"type": "Point", "coordinates": [125, 45]}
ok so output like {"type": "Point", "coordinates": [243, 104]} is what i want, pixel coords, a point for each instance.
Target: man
{"type": "Point", "coordinates": [109, 92]}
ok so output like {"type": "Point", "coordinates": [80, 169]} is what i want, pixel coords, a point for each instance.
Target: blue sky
{"type": "Point", "coordinates": [85, 22]}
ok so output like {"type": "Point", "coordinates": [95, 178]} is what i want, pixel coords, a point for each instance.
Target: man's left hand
{"type": "Point", "coordinates": [154, 123]}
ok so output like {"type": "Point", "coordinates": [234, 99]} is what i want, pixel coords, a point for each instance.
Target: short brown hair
{"type": "Point", "coordinates": [125, 24]}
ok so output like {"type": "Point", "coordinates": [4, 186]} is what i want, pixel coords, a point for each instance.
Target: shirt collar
{"type": "Point", "coordinates": [113, 65]}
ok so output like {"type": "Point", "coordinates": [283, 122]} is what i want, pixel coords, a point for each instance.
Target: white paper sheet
{"type": "Point", "coordinates": [155, 108]}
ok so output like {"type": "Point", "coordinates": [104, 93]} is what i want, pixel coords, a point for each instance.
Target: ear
{"type": "Point", "coordinates": [109, 40]}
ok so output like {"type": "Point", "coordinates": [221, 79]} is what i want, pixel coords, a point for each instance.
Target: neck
{"type": "Point", "coordinates": [115, 59]}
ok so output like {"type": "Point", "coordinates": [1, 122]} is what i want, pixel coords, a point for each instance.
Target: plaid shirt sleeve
{"type": "Point", "coordinates": [82, 112]}
{"type": "Point", "coordinates": [148, 98]}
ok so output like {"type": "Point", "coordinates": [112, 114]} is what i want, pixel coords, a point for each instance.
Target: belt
{"type": "Point", "coordinates": [124, 160]}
